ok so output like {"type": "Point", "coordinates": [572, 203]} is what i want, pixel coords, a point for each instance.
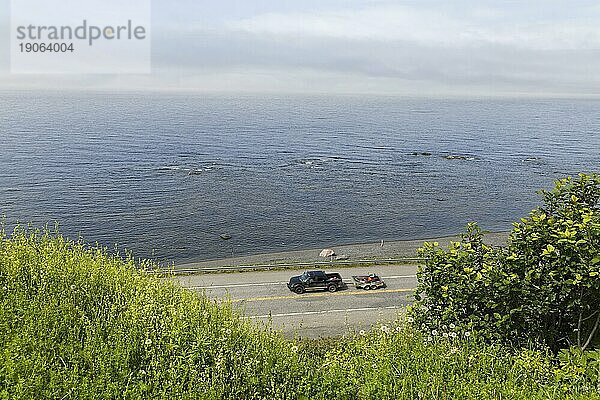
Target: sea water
{"type": "Point", "coordinates": [171, 175]}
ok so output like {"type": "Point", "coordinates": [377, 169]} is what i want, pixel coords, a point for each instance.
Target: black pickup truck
{"type": "Point", "coordinates": [315, 280]}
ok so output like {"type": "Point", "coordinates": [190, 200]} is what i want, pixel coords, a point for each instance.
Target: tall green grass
{"type": "Point", "coordinates": [78, 323]}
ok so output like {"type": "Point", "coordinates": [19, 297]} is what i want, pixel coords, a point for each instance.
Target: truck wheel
{"type": "Point", "coordinates": [299, 289]}
{"type": "Point", "coordinates": [367, 287]}
{"type": "Point", "coordinates": [332, 288]}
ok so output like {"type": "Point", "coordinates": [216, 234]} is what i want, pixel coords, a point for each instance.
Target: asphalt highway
{"type": "Point", "coordinates": [264, 298]}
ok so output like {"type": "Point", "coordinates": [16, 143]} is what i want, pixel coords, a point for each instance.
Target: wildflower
{"type": "Point", "coordinates": [228, 331]}
{"type": "Point", "coordinates": [429, 339]}
{"type": "Point", "coordinates": [362, 333]}
{"type": "Point", "coordinates": [452, 326]}
{"type": "Point", "coordinates": [385, 329]}
{"type": "Point", "coordinates": [453, 350]}
{"type": "Point", "coordinates": [398, 328]}
{"type": "Point", "coordinates": [452, 334]}
{"type": "Point", "coordinates": [295, 349]}
{"type": "Point", "coordinates": [434, 332]}
{"type": "Point", "coordinates": [410, 320]}
{"type": "Point", "coordinates": [148, 342]}
{"type": "Point", "coordinates": [445, 334]}
{"type": "Point", "coordinates": [467, 334]}
{"type": "Point", "coordinates": [72, 287]}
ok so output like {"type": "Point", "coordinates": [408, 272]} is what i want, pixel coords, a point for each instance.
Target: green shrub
{"type": "Point", "coordinates": [578, 368]}
{"type": "Point", "coordinates": [397, 362]}
{"type": "Point", "coordinates": [77, 323]}
{"type": "Point", "coordinates": [543, 287]}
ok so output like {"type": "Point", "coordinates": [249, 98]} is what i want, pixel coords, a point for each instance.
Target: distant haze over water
{"type": "Point", "coordinates": [166, 175]}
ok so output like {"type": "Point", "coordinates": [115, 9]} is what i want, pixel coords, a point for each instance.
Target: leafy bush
{"type": "Point", "coordinates": [76, 323]}
{"type": "Point", "coordinates": [578, 369]}
{"type": "Point", "coordinates": [398, 362]}
{"type": "Point", "coordinates": [543, 287]}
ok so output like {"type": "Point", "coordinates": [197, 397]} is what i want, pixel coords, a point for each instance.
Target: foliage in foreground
{"type": "Point", "coordinates": [76, 323]}
{"type": "Point", "coordinates": [543, 287]}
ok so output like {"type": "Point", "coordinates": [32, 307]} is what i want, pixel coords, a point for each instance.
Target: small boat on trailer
{"type": "Point", "coordinates": [368, 282]}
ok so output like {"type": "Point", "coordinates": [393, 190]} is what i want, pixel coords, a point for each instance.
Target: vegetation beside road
{"type": "Point", "coordinates": [542, 287]}
{"type": "Point", "coordinates": [78, 323]}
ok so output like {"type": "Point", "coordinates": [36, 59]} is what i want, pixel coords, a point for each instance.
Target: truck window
{"type": "Point", "coordinates": [320, 276]}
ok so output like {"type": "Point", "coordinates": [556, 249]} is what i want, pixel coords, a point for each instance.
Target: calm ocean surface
{"type": "Point", "coordinates": [165, 175]}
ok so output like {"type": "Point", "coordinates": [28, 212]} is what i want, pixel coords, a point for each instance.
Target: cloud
{"type": "Point", "coordinates": [428, 26]}
{"type": "Point", "coordinates": [455, 48]}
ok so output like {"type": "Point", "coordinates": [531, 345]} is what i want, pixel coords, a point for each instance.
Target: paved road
{"type": "Point", "coordinates": [263, 296]}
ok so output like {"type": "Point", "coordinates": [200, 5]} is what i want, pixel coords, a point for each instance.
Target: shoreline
{"type": "Point", "coordinates": [373, 250]}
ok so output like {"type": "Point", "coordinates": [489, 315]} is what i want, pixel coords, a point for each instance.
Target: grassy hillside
{"type": "Point", "coordinates": [76, 323]}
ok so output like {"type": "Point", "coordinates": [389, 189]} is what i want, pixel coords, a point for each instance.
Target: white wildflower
{"type": "Point", "coordinates": [148, 342]}
{"type": "Point", "coordinates": [362, 333]}
{"type": "Point", "coordinates": [434, 332]}
{"type": "Point", "coordinates": [385, 329]}
{"type": "Point", "coordinates": [445, 334]}
{"type": "Point", "coordinates": [410, 320]}
{"type": "Point", "coordinates": [467, 334]}
{"type": "Point", "coordinates": [452, 334]}
{"type": "Point", "coordinates": [452, 326]}
{"type": "Point", "coordinates": [295, 349]}
{"type": "Point", "coordinates": [72, 287]}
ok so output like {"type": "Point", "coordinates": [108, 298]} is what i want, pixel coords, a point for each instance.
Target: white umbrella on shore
{"type": "Point", "coordinates": [327, 253]}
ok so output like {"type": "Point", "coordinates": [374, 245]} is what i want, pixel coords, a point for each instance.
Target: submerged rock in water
{"type": "Point", "coordinates": [534, 160]}
{"type": "Point", "coordinates": [458, 157]}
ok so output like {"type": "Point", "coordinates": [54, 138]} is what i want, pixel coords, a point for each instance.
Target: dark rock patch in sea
{"type": "Point", "coordinates": [460, 157]}
{"type": "Point", "coordinates": [316, 162]}
{"type": "Point", "coordinates": [533, 160]}
{"type": "Point", "coordinates": [189, 170]}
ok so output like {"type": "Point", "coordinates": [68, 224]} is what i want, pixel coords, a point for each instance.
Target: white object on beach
{"type": "Point", "coordinates": [327, 253]}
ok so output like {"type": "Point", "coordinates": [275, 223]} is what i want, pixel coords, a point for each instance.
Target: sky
{"type": "Point", "coordinates": [409, 48]}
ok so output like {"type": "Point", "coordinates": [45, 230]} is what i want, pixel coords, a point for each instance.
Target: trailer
{"type": "Point", "coordinates": [368, 282]}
